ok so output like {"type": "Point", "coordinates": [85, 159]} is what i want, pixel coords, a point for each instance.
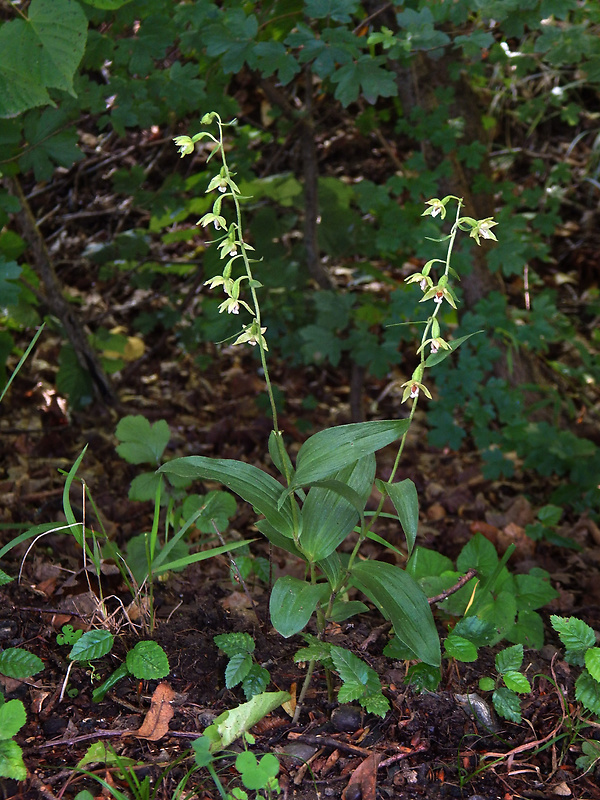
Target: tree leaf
{"type": "Point", "coordinates": [12, 718]}
{"type": "Point", "coordinates": [509, 659]}
{"type": "Point", "coordinates": [238, 667]}
{"type": "Point", "coordinates": [147, 661]}
{"type": "Point", "coordinates": [292, 603]}
{"type": "Point", "coordinates": [93, 644]}
{"type": "Point", "coordinates": [11, 759]}
{"type": "Point", "coordinates": [400, 598]}
{"type": "Point", "coordinates": [574, 633]}
{"type": "Point", "coordinates": [507, 704]}
{"type": "Point", "coordinates": [18, 663]}
{"type": "Point", "coordinates": [592, 662]}
{"type": "Point", "coordinates": [516, 682]}
{"type": "Point", "coordinates": [587, 692]}
{"type": "Point", "coordinates": [460, 648]}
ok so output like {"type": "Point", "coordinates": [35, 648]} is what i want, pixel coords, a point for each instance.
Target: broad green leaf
{"type": "Point", "coordinates": [359, 678]}
{"type": "Point", "coordinates": [93, 644]}
{"type": "Point", "coordinates": [587, 692]}
{"type": "Point", "coordinates": [292, 603]}
{"type": "Point", "coordinates": [11, 759]}
{"type": "Point", "coordinates": [18, 663]}
{"type": "Point", "coordinates": [509, 659]}
{"type": "Point", "coordinates": [282, 463]}
{"type": "Point", "coordinates": [400, 598]}
{"type": "Point", "coordinates": [333, 449]}
{"type": "Point", "coordinates": [406, 502]}
{"type": "Point", "coordinates": [12, 718]}
{"type": "Point", "coordinates": [487, 684]}
{"type": "Point", "coordinates": [479, 554]}
{"type": "Point", "coordinates": [40, 52]}
{"type": "Point", "coordinates": [147, 661]}
{"type": "Point", "coordinates": [256, 774]}
{"type": "Point", "coordinates": [507, 704]}
{"type": "Point", "coordinates": [516, 682]}
{"type": "Point", "coordinates": [100, 692]}
{"type": "Point", "coordinates": [424, 562]}
{"type": "Point", "coordinates": [475, 630]}
{"type": "Point", "coordinates": [459, 648]}
{"type": "Point", "coordinates": [343, 610]}
{"type": "Point", "coordinates": [245, 480]}
{"type": "Point", "coordinates": [332, 569]}
{"type": "Point", "coordinates": [592, 662]}
{"type": "Point", "coordinates": [533, 592]}
{"type": "Point", "coordinates": [141, 442]}
{"type": "Point", "coordinates": [232, 724]}
{"type": "Point", "coordinates": [108, 5]}
{"type": "Point", "coordinates": [574, 633]}
{"type": "Point", "coordinates": [528, 630]}
{"type": "Point", "coordinates": [328, 517]}
{"type": "Point", "coordinates": [10, 290]}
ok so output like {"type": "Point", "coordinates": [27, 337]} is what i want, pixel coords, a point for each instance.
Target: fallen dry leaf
{"type": "Point", "coordinates": [364, 778]}
{"type": "Point", "coordinates": [156, 723]}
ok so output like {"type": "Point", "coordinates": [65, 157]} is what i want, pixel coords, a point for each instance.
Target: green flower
{"type": "Point", "coordinates": [436, 206]}
{"type": "Point", "coordinates": [483, 228]}
{"type": "Point", "coordinates": [185, 145]}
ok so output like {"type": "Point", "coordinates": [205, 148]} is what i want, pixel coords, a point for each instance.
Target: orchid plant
{"type": "Point", "coordinates": [315, 505]}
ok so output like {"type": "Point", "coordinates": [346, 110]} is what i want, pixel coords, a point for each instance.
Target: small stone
{"type": "Point", "coordinates": [347, 718]}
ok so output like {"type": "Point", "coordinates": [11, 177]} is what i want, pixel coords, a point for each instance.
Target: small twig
{"type": "Point", "coordinates": [401, 756]}
{"type": "Point", "coordinates": [458, 585]}
{"type": "Point", "coordinates": [329, 741]}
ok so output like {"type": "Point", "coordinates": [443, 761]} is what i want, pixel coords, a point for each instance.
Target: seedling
{"type": "Point", "coordinates": [14, 663]}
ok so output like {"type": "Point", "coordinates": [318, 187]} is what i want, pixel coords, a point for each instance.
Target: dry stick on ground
{"type": "Point", "coordinates": [53, 296]}
{"type": "Point", "coordinates": [458, 585]}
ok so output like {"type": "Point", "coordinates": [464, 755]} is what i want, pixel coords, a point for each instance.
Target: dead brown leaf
{"type": "Point", "coordinates": [156, 723]}
{"type": "Point", "coordinates": [364, 778]}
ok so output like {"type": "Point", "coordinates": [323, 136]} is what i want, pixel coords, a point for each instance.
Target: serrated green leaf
{"type": "Point", "coordinates": [18, 663]}
{"type": "Point", "coordinates": [376, 704]}
{"type": "Point", "coordinates": [315, 651]}
{"type": "Point", "coordinates": [460, 648]}
{"type": "Point", "coordinates": [592, 662]}
{"type": "Point", "coordinates": [509, 659]}
{"type": "Point", "coordinates": [93, 644]}
{"type": "Point", "coordinates": [11, 760]}
{"type": "Point", "coordinates": [233, 643]}
{"type": "Point", "coordinates": [400, 598]}
{"type": "Point", "coordinates": [587, 692]}
{"type": "Point", "coordinates": [256, 681]}
{"type": "Point", "coordinates": [238, 667]}
{"type": "Point", "coordinates": [486, 684]}
{"type": "Point", "coordinates": [293, 602]}
{"type": "Point", "coordinates": [147, 661]}
{"type": "Point", "coordinates": [12, 718]}
{"type": "Point", "coordinates": [516, 681]}
{"type": "Point", "coordinates": [574, 633]}
{"type": "Point", "coordinates": [507, 704]}
{"type": "Point", "coordinates": [40, 52]}
{"type": "Point", "coordinates": [141, 442]}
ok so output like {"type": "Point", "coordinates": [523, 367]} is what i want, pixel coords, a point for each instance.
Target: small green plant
{"type": "Point", "coordinates": [506, 698]}
{"type": "Point", "coordinates": [544, 528]}
{"type": "Point", "coordinates": [14, 663]}
{"type": "Point", "coordinates": [242, 668]}
{"type": "Point", "coordinates": [69, 635]}
{"type": "Point", "coordinates": [324, 495]}
{"type": "Point", "coordinates": [581, 651]}
{"type": "Point", "coordinates": [145, 661]}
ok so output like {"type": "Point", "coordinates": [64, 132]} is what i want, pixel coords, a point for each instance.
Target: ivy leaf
{"type": "Point", "coordinates": [142, 443]}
